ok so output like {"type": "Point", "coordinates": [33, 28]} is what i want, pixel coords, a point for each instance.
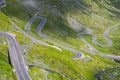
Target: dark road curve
{"type": "Point", "coordinates": [43, 21]}
{"type": "Point", "coordinates": [16, 57]}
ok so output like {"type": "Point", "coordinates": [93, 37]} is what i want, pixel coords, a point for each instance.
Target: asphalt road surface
{"type": "Point", "coordinates": [38, 30]}
{"type": "Point", "coordinates": [16, 57]}
{"type": "Point", "coordinates": [105, 35]}
{"type": "Point", "coordinates": [40, 26]}
{"type": "Point", "coordinates": [78, 54]}
{"type": "Point", "coordinates": [30, 37]}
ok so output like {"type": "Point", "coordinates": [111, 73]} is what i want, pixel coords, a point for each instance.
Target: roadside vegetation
{"type": "Point", "coordinates": [5, 67]}
{"type": "Point", "coordinates": [63, 63]}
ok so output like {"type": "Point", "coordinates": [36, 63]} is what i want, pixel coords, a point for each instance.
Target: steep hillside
{"type": "Point", "coordinates": [65, 19]}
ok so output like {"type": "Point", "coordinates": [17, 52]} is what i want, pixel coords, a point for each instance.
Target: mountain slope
{"type": "Point", "coordinates": [65, 19]}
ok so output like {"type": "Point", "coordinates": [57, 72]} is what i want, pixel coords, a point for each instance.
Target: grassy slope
{"type": "Point", "coordinates": [111, 21]}
{"type": "Point", "coordinates": [56, 25]}
{"type": "Point", "coordinates": [5, 68]}
{"type": "Point", "coordinates": [63, 63]}
{"type": "Point", "coordinates": [57, 61]}
{"type": "Point", "coordinates": [95, 17]}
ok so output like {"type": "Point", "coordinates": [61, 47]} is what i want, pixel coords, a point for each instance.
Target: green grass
{"type": "Point", "coordinates": [5, 71]}
{"type": "Point", "coordinates": [42, 74]}
{"type": "Point", "coordinates": [114, 49]}
{"type": "Point", "coordinates": [5, 67]}
{"type": "Point", "coordinates": [4, 23]}
{"type": "Point", "coordinates": [62, 62]}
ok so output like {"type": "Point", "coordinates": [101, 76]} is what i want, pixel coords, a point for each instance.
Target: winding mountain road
{"type": "Point", "coordinates": [16, 57]}
{"type": "Point", "coordinates": [30, 37]}
{"type": "Point", "coordinates": [94, 50]}
{"type": "Point", "coordinates": [105, 35]}
{"type": "Point", "coordinates": [41, 25]}
{"type": "Point", "coordinates": [38, 30]}
{"type": "Point", "coordinates": [52, 40]}
{"type": "Point", "coordinates": [78, 54]}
